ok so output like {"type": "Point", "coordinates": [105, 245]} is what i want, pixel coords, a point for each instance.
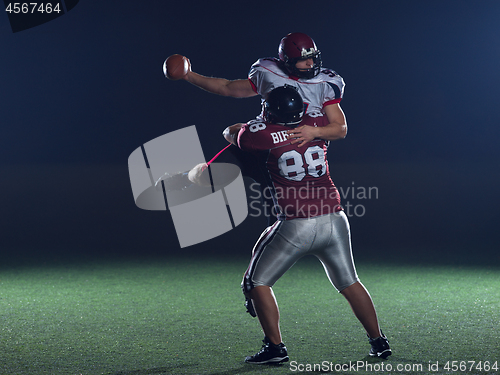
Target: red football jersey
{"type": "Point", "coordinates": [298, 178]}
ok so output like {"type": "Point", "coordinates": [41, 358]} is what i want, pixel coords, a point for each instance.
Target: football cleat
{"type": "Point", "coordinates": [380, 347]}
{"type": "Point", "coordinates": [269, 354]}
{"type": "Point", "coordinates": [250, 308]}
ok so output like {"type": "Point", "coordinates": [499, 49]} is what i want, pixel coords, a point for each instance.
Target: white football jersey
{"type": "Point", "coordinates": [324, 89]}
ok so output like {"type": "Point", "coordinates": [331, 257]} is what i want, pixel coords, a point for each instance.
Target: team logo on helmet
{"type": "Point", "coordinates": [308, 53]}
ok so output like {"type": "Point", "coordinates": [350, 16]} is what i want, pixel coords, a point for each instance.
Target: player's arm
{"type": "Point", "coordinates": [238, 88]}
{"type": "Point", "coordinates": [231, 133]}
{"type": "Point", "coordinates": [198, 174]}
{"type": "Point", "coordinates": [335, 129]}
{"type": "Point", "coordinates": [337, 123]}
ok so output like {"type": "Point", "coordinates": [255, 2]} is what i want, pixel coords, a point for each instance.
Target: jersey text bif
{"type": "Point", "coordinates": [298, 178]}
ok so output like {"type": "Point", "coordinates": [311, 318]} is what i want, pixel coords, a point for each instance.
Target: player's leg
{"type": "Point", "coordinates": [267, 312]}
{"type": "Point", "coordinates": [273, 350]}
{"type": "Point", "coordinates": [338, 262]}
{"type": "Point", "coordinates": [362, 306]}
{"type": "Point", "coordinates": [273, 255]}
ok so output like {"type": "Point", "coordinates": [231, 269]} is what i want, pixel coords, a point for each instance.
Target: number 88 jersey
{"type": "Point", "coordinates": [297, 178]}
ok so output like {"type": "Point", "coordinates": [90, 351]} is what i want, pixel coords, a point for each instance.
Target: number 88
{"type": "Point", "coordinates": [297, 171]}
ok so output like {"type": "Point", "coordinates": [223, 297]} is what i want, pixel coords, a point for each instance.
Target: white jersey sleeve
{"type": "Point", "coordinates": [324, 89]}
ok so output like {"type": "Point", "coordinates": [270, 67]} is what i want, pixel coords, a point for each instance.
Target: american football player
{"type": "Point", "coordinates": [310, 219]}
{"type": "Point", "coordinates": [299, 65]}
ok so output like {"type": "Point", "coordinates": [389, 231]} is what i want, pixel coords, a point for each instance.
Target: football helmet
{"type": "Point", "coordinates": [284, 106]}
{"type": "Point", "coordinates": [298, 46]}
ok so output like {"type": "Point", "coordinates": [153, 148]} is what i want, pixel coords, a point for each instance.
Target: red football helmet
{"type": "Point", "coordinates": [298, 46]}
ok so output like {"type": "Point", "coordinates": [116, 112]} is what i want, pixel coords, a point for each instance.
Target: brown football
{"type": "Point", "coordinates": [175, 67]}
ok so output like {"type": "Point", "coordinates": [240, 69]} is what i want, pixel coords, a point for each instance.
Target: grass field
{"type": "Point", "coordinates": [176, 316]}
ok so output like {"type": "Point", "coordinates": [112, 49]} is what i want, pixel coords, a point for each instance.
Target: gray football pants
{"type": "Point", "coordinates": [285, 242]}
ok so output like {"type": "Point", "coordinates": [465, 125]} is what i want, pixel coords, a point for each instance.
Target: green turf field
{"type": "Point", "coordinates": [173, 316]}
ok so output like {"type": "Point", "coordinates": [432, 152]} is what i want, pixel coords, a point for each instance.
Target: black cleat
{"type": "Point", "coordinates": [250, 308]}
{"type": "Point", "coordinates": [380, 347]}
{"type": "Point", "coordinates": [269, 354]}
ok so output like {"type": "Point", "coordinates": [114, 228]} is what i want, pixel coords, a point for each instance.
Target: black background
{"type": "Point", "coordinates": [80, 93]}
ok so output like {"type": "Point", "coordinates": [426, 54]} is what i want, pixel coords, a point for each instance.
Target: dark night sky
{"type": "Point", "coordinates": [80, 93]}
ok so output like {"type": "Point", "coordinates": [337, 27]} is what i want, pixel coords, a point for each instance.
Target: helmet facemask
{"type": "Point", "coordinates": [290, 65]}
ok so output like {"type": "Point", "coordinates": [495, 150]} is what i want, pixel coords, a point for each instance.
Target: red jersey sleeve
{"type": "Point", "coordinates": [245, 139]}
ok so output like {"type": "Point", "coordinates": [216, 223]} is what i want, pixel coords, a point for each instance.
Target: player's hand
{"type": "Point", "coordinates": [199, 175]}
{"type": "Point", "coordinates": [302, 134]}
{"type": "Point", "coordinates": [188, 70]}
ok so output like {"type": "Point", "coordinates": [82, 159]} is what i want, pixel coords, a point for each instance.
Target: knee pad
{"type": "Point", "coordinates": [246, 286]}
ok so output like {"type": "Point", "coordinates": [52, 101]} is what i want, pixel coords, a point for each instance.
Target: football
{"type": "Point", "coordinates": [175, 67]}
